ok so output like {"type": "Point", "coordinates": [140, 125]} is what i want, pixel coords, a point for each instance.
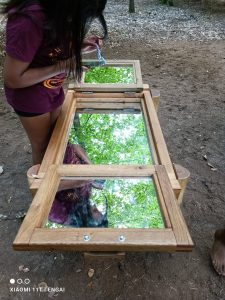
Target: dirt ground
{"type": "Point", "coordinates": [190, 77]}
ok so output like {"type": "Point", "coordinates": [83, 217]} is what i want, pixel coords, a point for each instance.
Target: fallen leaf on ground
{"type": "Point", "coordinates": [21, 268]}
{"type": "Point", "coordinates": [42, 285]}
{"type": "Point", "coordinates": [212, 167]}
{"type": "Point", "coordinates": [1, 170]}
{"type": "Point", "coordinates": [91, 273]}
{"type": "Point", "coordinates": [78, 271]}
{"type": "Point", "coordinates": [26, 270]}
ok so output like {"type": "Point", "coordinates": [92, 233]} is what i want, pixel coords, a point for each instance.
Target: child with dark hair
{"type": "Point", "coordinates": [45, 40]}
{"type": "Point", "coordinates": [72, 206]}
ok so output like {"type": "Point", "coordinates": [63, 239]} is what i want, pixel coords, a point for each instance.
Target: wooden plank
{"type": "Point", "coordinates": [39, 208]}
{"type": "Point", "coordinates": [103, 239]}
{"type": "Point", "coordinates": [35, 186]}
{"type": "Point", "coordinates": [116, 87]}
{"type": "Point", "coordinates": [107, 111]}
{"type": "Point", "coordinates": [106, 170]}
{"type": "Point", "coordinates": [158, 138]}
{"type": "Point", "coordinates": [149, 134]}
{"type": "Point", "coordinates": [178, 223]}
{"type": "Point", "coordinates": [113, 106]}
{"type": "Point", "coordinates": [123, 95]}
{"type": "Point", "coordinates": [162, 204]}
{"type": "Point", "coordinates": [54, 143]}
{"type": "Point", "coordinates": [65, 135]}
{"type": "Point", "coordinates": [77, 172]}
{"type": "Point", "coordinates": [106, 87]}
{"type": "Point", "coordinates": [138, 74]}
{"type": "Point", "coordinates": [109, 100]}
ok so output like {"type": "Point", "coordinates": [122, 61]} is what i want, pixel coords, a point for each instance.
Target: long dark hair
{"type": "Point", "coordinates": [67, 23]}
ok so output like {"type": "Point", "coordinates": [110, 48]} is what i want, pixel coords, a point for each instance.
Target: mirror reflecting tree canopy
{"type": "Point", "coordinates": [112, 138]}
{"type": "Point", "coordinates": [114, 203]}
{"type": "Point", "coordinates": [110, 74]}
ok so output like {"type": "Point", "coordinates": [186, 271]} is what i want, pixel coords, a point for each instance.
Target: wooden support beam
{"type": "Point", "coordinates": [183, 176]}
{"type": "Point", "coordinates": [159, 141]}
{"type": "Point", "coordinates": [103, 239]}
{"type": "Point", "coordinates": [182, 236]}
{"type": "Point", "coordinates": [39, 209]}
{"type": "Point", "coordinates": [156, 98]}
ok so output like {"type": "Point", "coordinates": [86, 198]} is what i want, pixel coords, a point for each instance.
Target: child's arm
{"type": "Point", "coordinates": [17, 74]}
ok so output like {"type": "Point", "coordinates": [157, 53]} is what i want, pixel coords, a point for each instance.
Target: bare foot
{"type": "Point", "coordinates": [218, 252]}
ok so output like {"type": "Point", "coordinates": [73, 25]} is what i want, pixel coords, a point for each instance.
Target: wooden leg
{"type": "Point", "coordinates": [183, 176]}
{"type": "Point", "coordinates": [156, 98]}
{"type": "Point", "coordinates": [31, 173]}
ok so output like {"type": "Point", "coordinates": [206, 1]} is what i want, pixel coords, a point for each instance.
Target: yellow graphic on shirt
{"type": "Point", "coordinates": [54, 82]}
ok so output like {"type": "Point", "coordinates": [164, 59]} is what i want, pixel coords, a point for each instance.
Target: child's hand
{"type": "Point", "coordinates": [90, 44]}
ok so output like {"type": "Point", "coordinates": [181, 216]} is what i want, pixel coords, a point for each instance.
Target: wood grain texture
{"type": "Point", "coordinates": [179, 227]}
{"type": "Point", "coordinates": [106, 170]}
{"type": "Point", "coordinates": [149, 133]}
{"type": "Point", "coordinates": [103, 239]}
{"type": "Point", "coordinates": [116, 87]}
{"type": "Point", "coordinates": [102, 95]}
{"type": "Point", "coordinates": [39, 208]}
{"type": "Point", "coordinates": [161, 202]}
{"type": "Point", "coordinates": [112, 106]}
{"type": "Point", "coordinates": [183, 176]}
{"type": "Point", "coordinates": [158, 138]}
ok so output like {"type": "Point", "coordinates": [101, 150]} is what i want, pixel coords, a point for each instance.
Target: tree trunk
{"type": "Point", "coordinates": [131, 6]}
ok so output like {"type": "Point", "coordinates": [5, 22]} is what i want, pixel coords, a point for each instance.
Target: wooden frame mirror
{"type": "Point", "coordinates": [172, 236]}
{"type": "Point", "coordinates": [138, 104]}
{"type": "Point", "coordinates": [115, 75]}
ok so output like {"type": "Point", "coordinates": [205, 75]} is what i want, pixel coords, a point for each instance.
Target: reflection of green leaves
{"type": "Point", "coordinates": [50, 224]}
{"type": "Point", "coordinates": [132, 203]}
{"type": "Point", "coordinates": [109, 75]}
{"type": "Point", "coordinates": [112, 138]}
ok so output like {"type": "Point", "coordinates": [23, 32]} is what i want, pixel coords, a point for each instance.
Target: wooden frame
{"type": "Point", "coordinates": [32, 236]}
{"type": "Point", "coordinates": [105, 101]}
{"type": "Point", "coordinates": [120, 87]}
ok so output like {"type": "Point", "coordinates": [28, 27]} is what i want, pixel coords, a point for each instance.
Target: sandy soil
{"type": "Point", "coordinates": [190, 76]}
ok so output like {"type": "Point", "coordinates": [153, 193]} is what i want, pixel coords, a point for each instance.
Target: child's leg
{"type": "Point", "coordinates": [38, 130]}
{"type": "Point", "coordinates": [54, 116]}
{"type": "Point", "coordinates": [218, 252]}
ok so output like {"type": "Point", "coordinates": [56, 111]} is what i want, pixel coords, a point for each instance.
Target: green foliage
{"type": "Point", "coordinates": [112, 138]}
{"type": "Point", "coordinates": [118, 139]}
{"type": "Point", "coordinates": [129, 203]}
{"type": "Point", "coordinates": [50, 224]}
{"type": "Point", "coordinates": [110, 75]}
{"type": "Point", "coordinates": [132, 203]}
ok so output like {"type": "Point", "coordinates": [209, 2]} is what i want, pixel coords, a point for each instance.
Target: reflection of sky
{"type": "Point", "coordinates": [132, 203]}
{"type": "Point", "coordinates": [100, 134]}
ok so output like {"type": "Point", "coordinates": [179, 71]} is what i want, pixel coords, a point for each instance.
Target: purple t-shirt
{"type": "Point", "coordinates": [25, 42]}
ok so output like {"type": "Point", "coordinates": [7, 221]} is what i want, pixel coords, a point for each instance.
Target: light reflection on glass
{"type": "Point", "coordinates": [115, 203]}
{"type": "Point", "coordinates": [110, 74]}
{"type": "Point", "coordinates": [112, 138]}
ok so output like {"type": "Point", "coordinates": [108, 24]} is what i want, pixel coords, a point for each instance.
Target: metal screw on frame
{"type": "Point", "coordinates": [86, 238]}
{"type": "Point", "coordinates": [122, 238]}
